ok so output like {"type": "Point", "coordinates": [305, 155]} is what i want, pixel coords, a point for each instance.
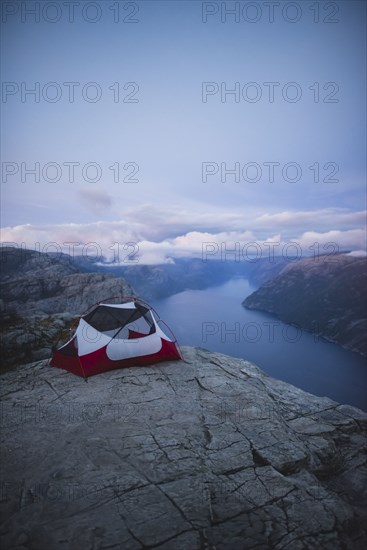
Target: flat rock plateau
{"type": "Point", "coordinates": [209, 453]}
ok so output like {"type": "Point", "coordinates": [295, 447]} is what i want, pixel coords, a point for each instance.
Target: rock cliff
{"type": "Point", "coordinates": [210, 453]}
{"type": "Point", "coordinates": [326, 295]}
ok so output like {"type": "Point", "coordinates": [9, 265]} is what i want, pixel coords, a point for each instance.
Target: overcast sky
{"type": "Point", "coordinates": [171, 95]}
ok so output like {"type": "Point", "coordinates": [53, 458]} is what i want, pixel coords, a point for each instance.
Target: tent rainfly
{"type": "Point", "coordinates": [111, 336]}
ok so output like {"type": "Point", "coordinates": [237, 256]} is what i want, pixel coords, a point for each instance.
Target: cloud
{"type": "Point", "coordinates": [354, 239]}
{"type": "Point", "coordinates": [358, 253]}
{"type": "Point", "coordinates": [158, 223]}
{"type": "Point", "coordinates": [158, 236]}
{"type": "Point", "coordinates": [95, 200]}
{"type": "Point", "coordinates": [321, 218]}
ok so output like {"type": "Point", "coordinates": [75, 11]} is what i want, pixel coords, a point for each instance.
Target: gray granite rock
{"type": "Point", "coordinates": [207, 453]}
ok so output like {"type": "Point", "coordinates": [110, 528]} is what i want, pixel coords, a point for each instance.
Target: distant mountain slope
{"type": "Point", "coordinates": [326, 295]}
{"type": "Point", "coordinates": [160, 281]}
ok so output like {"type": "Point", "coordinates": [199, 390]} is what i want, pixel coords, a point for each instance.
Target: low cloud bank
{"type": "Point", "coordinates": [152, 238]}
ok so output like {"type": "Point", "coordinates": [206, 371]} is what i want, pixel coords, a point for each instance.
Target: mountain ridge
{"type": "Point", "coordinates": [325, 295]}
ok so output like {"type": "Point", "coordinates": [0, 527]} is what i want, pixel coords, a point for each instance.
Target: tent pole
{"type": "Point", "coordinates": [121, 328]}
{"type": "Point", "coordinates": [81, 366]}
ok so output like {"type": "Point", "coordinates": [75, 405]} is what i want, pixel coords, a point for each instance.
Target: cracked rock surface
{"type": "Point", "coordinates": [210, 453]}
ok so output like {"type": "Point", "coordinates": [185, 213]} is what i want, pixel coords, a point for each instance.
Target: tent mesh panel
{"type": "Point", "coordinates": [105, 318]}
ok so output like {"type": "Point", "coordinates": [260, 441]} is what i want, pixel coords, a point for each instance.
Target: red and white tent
{"type": "Point", "coordinates": [111, 336]}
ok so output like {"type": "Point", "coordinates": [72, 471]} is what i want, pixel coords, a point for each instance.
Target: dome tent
{"type": "Point", "coordinates": [116, 335]}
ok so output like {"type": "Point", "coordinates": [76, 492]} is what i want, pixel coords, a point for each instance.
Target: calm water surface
{"type": "Point", "coordinates": [214, 319]}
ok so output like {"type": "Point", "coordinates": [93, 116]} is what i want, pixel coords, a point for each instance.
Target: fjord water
{"type": "Point", "coordinates": [215, 319]}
